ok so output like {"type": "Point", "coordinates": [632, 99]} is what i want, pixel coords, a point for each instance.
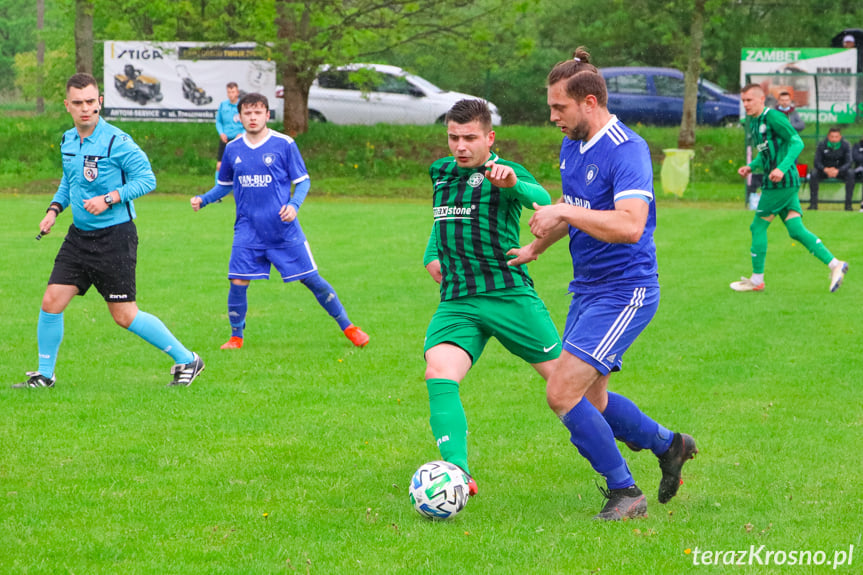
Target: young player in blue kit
{"type": "Point", "coordinates": [609, 214]}
{"type": "Point", "coordinates": [103, 171]}
{"type": "Point", "coordinates": [261, 168]}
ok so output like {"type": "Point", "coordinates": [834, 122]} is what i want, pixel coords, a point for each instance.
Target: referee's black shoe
{"type": "Point", "coordinates": [671, 463]}
{"type": "Point", "coordinates": [622, 504]}
{"type": "Point", "coordinates": [35, 379]}
{"type": "Point", "coordinates": [185, 373]}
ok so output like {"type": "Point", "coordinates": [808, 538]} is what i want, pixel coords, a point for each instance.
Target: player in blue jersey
{"type": "Point", "coordinates": [608, 212]}
{"type": "Point", "coordinates": [260, 168]}
{"type": "Point", "coordinates": [103, 171]}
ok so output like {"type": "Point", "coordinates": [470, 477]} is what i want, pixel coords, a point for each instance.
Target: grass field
{"type": "Point", "coordinates": [293, 455]}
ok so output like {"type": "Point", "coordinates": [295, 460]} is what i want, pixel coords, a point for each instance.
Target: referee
{"type": "Point", "coordinates": [103, 171]}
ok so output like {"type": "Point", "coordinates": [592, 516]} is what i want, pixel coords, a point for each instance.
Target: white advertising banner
{"type": "Point", "coordinates": [179, 81]}
{"type": "Point", "coordinates": [805, 74]}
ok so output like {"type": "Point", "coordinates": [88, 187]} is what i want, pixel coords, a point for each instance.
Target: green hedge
{"type": "Point", "coordinates": [365, 160]}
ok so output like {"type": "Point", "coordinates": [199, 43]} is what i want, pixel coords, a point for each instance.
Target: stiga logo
{"type": "Point", "coordinates": [140, 54]}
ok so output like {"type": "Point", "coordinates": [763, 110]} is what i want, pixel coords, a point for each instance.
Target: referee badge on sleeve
{"type": "Point", "coordinates": [91, 168]}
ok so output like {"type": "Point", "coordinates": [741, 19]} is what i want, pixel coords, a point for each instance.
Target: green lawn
{"type": "Point", "coordinates": [293, 455]}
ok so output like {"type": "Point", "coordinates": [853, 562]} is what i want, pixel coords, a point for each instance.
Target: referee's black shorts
{"type": "Point", "coordinates": [221, 151]}
{"type": "Point", "coordinates": [104, 258]}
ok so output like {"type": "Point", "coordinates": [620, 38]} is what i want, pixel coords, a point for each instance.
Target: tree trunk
{"type": "Point", "coordinates": [40, 56]}
{"type": "Point", "coordinates": [84, 36]}
{"type": "Point", "coordinates": [295, 99]}
{"type": "Point", "coordinates": [686, 137]}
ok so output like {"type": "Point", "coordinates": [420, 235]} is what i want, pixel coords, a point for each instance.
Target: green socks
{"type": "Point", "coordinates": [448, 422]}
{"type": "Point", "coordinates": [759, 243]}
{"type": "Point", "coordinates": [798, 232]}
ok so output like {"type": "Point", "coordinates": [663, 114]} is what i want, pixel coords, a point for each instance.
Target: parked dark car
{"type": "Point", "coordinates": [655, 96]}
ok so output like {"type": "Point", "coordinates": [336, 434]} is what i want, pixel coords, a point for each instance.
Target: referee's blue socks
{"type": "Point", "coordinates": [49, 334]}
{"type": "Point", "coordinates": [151, 329]}
{"type": "Point", "coordinates": [326, 296]}
{"type": "Point", "coordinates": [591, 434]}
{"type": "Point", "coordinates": [630, 424]}
{"type": "Point", "coordinates": [238, 305]}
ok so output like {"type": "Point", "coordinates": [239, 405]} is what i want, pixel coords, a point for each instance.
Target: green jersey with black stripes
{"type": "Point", "coordinates": [475, 224]}
{"type": "Point", "coordinates": [777, 145]}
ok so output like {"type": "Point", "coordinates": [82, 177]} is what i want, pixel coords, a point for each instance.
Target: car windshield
{"type": "Point", "coordinates": [714, 87]}
{"type": "Point", "coordinates": [424, 84]}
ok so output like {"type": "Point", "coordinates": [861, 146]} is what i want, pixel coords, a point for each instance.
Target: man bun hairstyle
{"type": "Point", "coordinates": [582, 78]}
{"type": "Point", "coordinates": [251, 100]}
{"type": "Point", "coordinates": [467, 110]}
{"type": "Point", "coordinates": [80, 81]}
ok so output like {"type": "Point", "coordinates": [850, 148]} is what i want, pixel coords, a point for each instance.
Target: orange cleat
{"type": "Point", "coordinates": [233, 343]}
{"type": "Point", "coordinates": [357, 336]}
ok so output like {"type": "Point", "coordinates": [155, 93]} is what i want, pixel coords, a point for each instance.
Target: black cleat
{"type": "Point", "coordinates": [35, 379]}
{"type": "Point", "coordinates": [671, 463]}
{"type": "Point", "coordinates": [185, 373]}
{"type": "Point", "coordinates": [622, 504]}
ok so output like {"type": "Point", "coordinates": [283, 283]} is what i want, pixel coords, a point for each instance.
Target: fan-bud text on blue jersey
{"type": "Point", "coordinates": [446, 211]}
{"type": "Point", "coordinates": [256, 180]}
{"type": "Point", "coordinates": [580, 202]}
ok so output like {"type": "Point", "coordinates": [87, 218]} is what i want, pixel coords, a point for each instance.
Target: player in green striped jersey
{"type": "Point", "coordinates": [778, 146]}
{"type": "Point", "coordinates": [477, 204]}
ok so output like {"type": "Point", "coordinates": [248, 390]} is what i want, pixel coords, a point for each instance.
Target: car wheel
{"type": "Point", "coordinates": [315, 116]}
{"type": "Point", "coordinates": [441, 120]}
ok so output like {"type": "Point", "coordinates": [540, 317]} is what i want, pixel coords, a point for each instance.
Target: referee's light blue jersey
{"type": "Point", "coordinates": [104, 161]}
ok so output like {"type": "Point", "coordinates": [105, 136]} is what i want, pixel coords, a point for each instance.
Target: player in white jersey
{"type": "Point", "coordinates": [261, 168]}
{"type": "Point", "coordinates": [608, 212]}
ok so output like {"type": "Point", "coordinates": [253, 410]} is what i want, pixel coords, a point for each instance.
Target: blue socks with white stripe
{"type": "Point", "coordinates": [629, 424]}
{"type": "Point", "coordinates": [326, 296]}
{"type": "Point", "coordinates": [238, 305]}
{"type": "Point", "coordinates": [151, 329]}
{"type": "Point", "coordinates": [593, 438]}
{"type": "Point", "coordinates": [49, 334]}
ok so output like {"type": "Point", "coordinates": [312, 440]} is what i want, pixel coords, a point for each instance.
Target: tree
{"type": "Point", "coordinates": [312, 33]}
{"type": "Point", "coordinates": [84, 36]}
{"type": "Point", "coordinates": [686, 137]}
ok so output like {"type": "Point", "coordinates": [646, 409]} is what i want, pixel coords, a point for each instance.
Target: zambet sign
{"type": "Point", "coordinates": [822, 81]}
{"type": "Point", "coordinates": [179, 81]}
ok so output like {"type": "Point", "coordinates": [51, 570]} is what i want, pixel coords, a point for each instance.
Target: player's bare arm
{"type": "Point", "coordinates": [622, 225]}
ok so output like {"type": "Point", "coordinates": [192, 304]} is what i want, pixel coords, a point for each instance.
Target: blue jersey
{"type": "Point", "coordinates": [261, 176]}
{"type": "Point", "coordinates": [228, 120]}
{"type": "Point", "coordinates": [104, 161]}
{"type": "Point", "coordinates": [614, 165]}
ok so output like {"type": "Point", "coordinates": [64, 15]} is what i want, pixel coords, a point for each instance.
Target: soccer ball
{"type": "Point", "coordinates": [439, 490]}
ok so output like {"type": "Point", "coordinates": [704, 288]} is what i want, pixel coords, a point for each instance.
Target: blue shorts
{"type": "Point", "coordinates": [293, 262]}
{"type": "Point", "coordinates": [601, 326]}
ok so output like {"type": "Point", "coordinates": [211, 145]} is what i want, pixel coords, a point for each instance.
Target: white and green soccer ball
{"type": "Point", "coordinates": [439, 490]}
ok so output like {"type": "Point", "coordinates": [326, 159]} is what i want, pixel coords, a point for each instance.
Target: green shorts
{"type": "Point", "coordinates": [515, 316]}
{"type": "Point", "coordinates": [778, 201]}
